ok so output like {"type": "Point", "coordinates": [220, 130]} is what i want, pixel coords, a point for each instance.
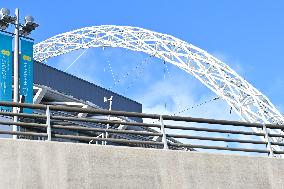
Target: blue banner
{"type": "Point", "coordinates": [26, 73]}
{"type": "Point", "coordinates": [6, 70]}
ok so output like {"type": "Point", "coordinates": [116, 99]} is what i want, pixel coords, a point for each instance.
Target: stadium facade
{"type": "Point", "coordinates": [55, 87]}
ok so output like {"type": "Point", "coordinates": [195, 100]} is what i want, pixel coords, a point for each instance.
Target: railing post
{"type": "Point", "coordinates": [164, 137]}
{"type": "Point", "coordinates": [267, 139]}
{"type": "Point", "coordinates": [48, 129]}
{"type": "Point", "coordinates": [103, 141]}
{"type": "Point", "coordinates": [106, 133]}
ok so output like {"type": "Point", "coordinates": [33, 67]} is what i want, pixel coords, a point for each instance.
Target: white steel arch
{"type": "Point", "coordinates": [249, 103]}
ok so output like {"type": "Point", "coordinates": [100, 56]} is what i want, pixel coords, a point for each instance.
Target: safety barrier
{"type": "Point", "coordinates": [272, 142]}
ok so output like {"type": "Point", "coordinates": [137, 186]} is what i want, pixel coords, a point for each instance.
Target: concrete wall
{"type": "Point", "coordinates": [35, 164]}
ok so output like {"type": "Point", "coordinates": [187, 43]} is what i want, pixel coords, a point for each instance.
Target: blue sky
{"type": "Point", "coordinates": [247, 35]}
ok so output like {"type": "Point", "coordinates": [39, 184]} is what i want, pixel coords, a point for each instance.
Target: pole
{"type": "Point", "coordinates": [48, 124]}
{"type": "Point", "coordinates": [267, 139]}
{"type": "Point", "coordinates": [164, 137]}
{"type": "Point", "coordinates": [16, 70]}
{"type": "Point", "coordinates": [110, 104]}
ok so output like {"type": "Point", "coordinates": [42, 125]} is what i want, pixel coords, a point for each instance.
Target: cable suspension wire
{"type": "Point", "coordinates": [111, 71]}
{"type": "Point", "coordinates": [164, 78]}
{"type": "Point", "coordinates": [76, 59]}
{"type": "Point", "coordinates": [175, 92]}
{"type": "Point", "coordinates": [192, 107]}
{"type": "Point", "coordinates": [126, 75]}
{"type": "Point", "coordinates": [197, 105]}
{"type": "Point", "coordinates": [138, 75]}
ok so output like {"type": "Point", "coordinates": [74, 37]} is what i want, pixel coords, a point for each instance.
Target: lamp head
{"type": "Point", "coordinates": [6, 19]}
{"type": "Point", "coordinates": [29, 26]}
{"type": "Point", "coordinates": [29, 19]}
{"type": "Point", "coordinates": [5, 12]}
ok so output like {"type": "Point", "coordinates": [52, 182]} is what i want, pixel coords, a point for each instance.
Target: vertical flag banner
{"type": "Point", "coordinates": [26, 73]}
{"type": "Point", "coordinates": [6, 70]}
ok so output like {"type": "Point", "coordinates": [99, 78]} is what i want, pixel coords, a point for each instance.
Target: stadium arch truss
{"type": "Point", "coordinates": [248, 102]}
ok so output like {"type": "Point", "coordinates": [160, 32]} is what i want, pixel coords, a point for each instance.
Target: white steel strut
{"type": "Point", "coordinates": [249, 103]}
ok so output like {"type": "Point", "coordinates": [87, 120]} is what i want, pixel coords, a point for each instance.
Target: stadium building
{"type": "Point", "coordinates": [55, 87]}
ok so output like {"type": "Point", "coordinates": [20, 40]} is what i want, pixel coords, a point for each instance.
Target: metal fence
{"type": "Point", "coordinates": [42, 124]}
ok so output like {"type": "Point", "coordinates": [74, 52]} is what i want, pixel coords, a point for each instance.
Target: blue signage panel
{"type": "Point", "coordinates": [6, 70]}
{"type": "Point", "coordinates": [26, 73]}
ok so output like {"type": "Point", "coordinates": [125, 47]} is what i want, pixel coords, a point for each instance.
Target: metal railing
{"type": "Point", "coordinates": [44, 125]}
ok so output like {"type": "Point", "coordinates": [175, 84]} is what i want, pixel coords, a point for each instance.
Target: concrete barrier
{"type": "Point", "coordinates": [39, 164]}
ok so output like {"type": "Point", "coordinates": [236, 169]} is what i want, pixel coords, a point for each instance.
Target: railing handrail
{"type": "Point", "coordinates": [48, 126]}
{"type": "Point", "coordinates": [140, 115]}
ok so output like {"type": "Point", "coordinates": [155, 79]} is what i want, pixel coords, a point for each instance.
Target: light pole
{"type": "Point", "coordinates": [16, 69]}
{"type": "Point", "coordinates": [21, 30]}
{"type": "Point", "coordinates": [110, 105]}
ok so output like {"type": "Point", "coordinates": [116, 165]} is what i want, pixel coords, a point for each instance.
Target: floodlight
{"type": "Point", "coordinates": [3, 25]}
{"type": "Point", "coordinates": [5, 12]}
{"type": "Point", "coordinates": [29, 26]}
{"type": "Point", "coordinates": [29, 19]}
{"type": "Point", "coordinates": [6, 19]}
